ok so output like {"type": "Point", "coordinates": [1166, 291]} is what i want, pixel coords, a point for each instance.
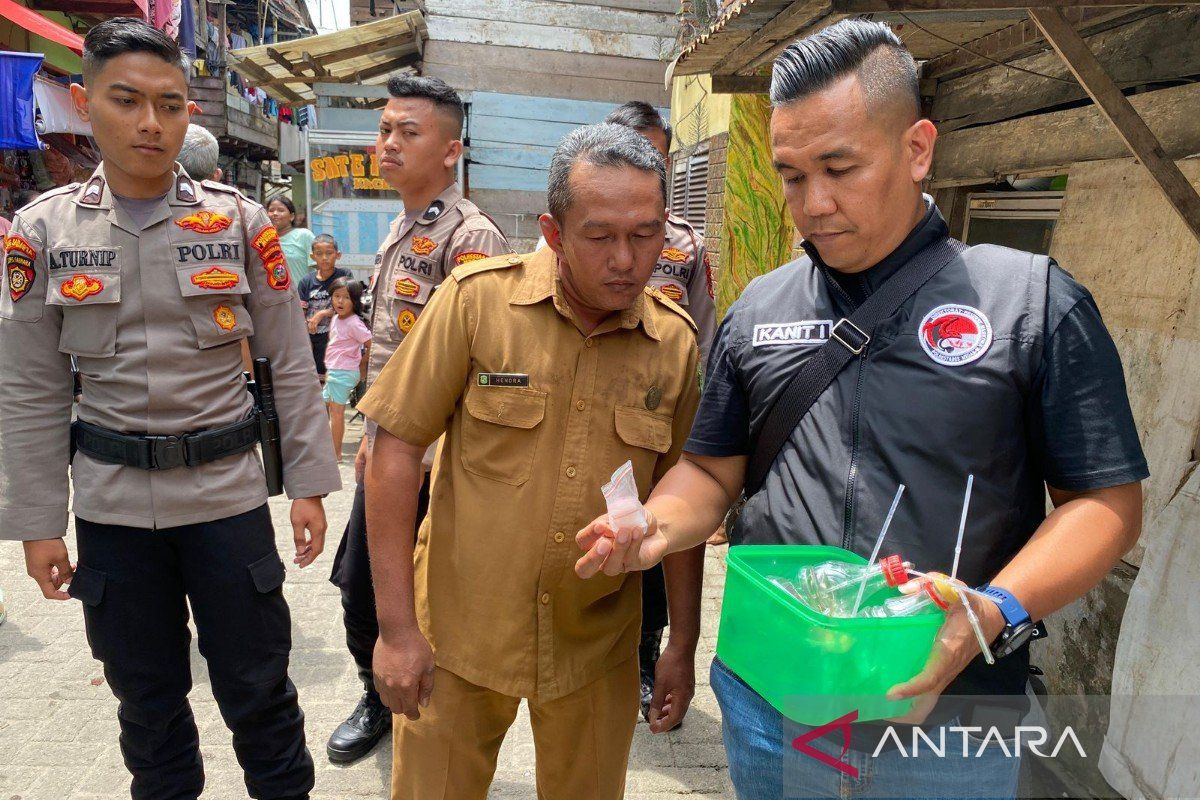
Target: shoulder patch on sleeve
{"type": "Point", "coordinates": [669, 303]}
{"type": "Point", "coordinates": [485, 265]}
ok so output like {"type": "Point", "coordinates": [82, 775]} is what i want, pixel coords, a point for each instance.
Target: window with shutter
{"type": "Point", "coordinates": [689, 188]}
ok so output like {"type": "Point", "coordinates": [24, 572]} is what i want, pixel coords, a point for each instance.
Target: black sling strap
{"type": "Point", "coordinates": [849, 338]}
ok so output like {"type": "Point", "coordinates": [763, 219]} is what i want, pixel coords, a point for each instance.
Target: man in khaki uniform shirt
{"type": "Point", "coordinates": [546, 373]}
{"type": "Point", "coordinates": [151, 280]}
{"type": "Point", "coordinates": [418, 146]}
{"type": "Point", "coordinates": [681, 274]}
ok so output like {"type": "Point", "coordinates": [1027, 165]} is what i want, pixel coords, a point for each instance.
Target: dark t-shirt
{"type": "Point", "coordinates": [1081, 427]}
{"type": "Point", "coordinates": [314, 294]}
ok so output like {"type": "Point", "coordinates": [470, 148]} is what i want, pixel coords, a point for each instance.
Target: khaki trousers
{"type": "Point", "coordinates": [581, 740]}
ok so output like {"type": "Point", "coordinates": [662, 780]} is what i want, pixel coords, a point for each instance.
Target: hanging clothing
{"type": "Point", "coordinates": [16, 100]}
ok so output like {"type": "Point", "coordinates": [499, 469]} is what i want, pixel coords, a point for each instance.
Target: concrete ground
{"type": "Point", "coordinates": [58, 729]}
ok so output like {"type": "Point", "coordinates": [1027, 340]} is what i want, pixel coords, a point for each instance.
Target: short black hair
{"type": "Point", "coordinates": [353, 288]}
{"type": "Point", "coordinates": [641, 116]}
{"type": "Point", "coordinates": [867, 49]}
{"type": "Point", "coordinates": [436, 90]}
{"type": "Point", "coordinates": [120, 35]}
{"type": "Point", "coordinates": [325, 238]}
{"type": "Point", "coordinates": [286, 202]}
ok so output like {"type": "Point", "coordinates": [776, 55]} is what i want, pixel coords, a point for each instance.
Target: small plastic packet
{"type": "Point", "coordinates": [621, 496]}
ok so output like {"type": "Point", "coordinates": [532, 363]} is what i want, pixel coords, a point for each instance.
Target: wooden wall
{"type": "Point", "coordinates": [534, 70]}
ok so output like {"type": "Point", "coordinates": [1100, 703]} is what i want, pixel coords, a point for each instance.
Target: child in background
{"type": "Point", "coordinates": [343, 355]}
{"type": "Point", "coordinates": [314, 289]}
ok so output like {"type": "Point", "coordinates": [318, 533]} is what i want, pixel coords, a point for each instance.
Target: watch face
{"type": "Point", "coordinates": [1011, 641]}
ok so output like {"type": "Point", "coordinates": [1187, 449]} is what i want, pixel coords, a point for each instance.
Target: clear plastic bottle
{"type": "Point", "coordinates": [937, 593]}
{"type": "Point", "coordinates": [832, 587]}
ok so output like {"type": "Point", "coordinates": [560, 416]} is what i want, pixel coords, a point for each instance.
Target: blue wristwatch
{"type": "Point", "coordinates": [1018, 625]}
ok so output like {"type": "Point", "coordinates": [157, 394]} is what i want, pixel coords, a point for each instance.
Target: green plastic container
{"type": "Point", "coordinates": [812, 668]}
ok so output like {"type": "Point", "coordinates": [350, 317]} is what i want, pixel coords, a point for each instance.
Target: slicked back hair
{"type": "Point", "coordinates": [436, 90]}
{"type": "Point", "coordinates": [870, 50]}
{"type": "Point", "coordinates": [641, 116]}
{"type": "Point", "coordinates": [603, 145]}
{"type": "Point", "coordinates": [120, 35]}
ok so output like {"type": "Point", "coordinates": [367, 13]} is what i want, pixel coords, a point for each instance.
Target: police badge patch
{"type": "Point", "coordinates": [19, 256]}
{"type": "Point", "coordinates": [266, 244]}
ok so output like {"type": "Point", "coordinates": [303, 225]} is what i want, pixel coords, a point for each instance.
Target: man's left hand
{"type": "Point", "coordinates": [954, 648]}
{"type": "Point", "coordinates": [674, 686]}
{"type": "Point", "coordinates": [308, 514]}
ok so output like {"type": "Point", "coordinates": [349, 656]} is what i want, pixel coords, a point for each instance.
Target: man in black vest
{"type": "Point", "coordinates": [992, 363]}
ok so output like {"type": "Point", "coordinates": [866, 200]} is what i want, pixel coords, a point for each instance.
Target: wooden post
{"type": "Point", "coordinates": [1129, 125]}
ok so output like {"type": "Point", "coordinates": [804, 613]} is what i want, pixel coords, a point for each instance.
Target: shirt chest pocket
{"type": "Point", "coordinates": [214, 299]}
{"type": "Point", "coordinates": [642, 436]}
{"type": "Point", "coordinates": [500, 432]}
{"type": "Point", "coordinates": [90, 299]}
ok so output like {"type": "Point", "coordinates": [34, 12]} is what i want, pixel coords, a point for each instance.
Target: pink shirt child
{"type": "Point", "coordinates": [346, 337]}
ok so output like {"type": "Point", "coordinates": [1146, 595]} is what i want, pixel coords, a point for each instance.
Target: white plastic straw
{"type": "Point", "coordinates": [978, 628]}
{"type": "Point", "coordinates": [878, 544]}
{"type": "Point", "coordinates": [959, 586]}
{"type": "Point", "coordinates": [962, 524]}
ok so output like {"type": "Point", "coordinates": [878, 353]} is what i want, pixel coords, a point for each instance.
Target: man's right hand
{"type": "Point", "coordinates": [48, 562]}
{"type": "Point", "coordinates": [403, 666]}
{"type": "Point", "coordinates": [625, 550]}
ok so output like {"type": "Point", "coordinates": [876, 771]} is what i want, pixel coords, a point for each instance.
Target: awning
{"type": "Point", "coordinates": [737, 50]}
{"type": "Point", "coordinates": [363, 54]}
{"type": "Point", "coordinates": [37, 24]}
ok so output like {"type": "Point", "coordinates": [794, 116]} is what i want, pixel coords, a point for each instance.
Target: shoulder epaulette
{"type": "Point", "coordinates": [55, 192]}
{"type": "Point", "coordinates": [485, 265]}
{"type": "Point", "coordinates": [225, 188]}
{"type": "Point", "coordinates": [671, 304]}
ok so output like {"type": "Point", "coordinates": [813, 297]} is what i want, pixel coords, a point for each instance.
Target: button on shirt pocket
{"type": "Point", "coordinates": [213, 296]}
{"type": "Point", "coordinates": [89, 301]}
{"type": "Point", "coordinates": [643, 437]}
{"type": "Point", "coordinates": [501, 431]}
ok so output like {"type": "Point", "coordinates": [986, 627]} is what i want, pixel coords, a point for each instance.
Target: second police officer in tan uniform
{"type": "Point", "coordinates": [151, 280]}
{"type": "Point", "coordinates": [419, 146]}
{"type": "Point", "coordinates": [682, 274]}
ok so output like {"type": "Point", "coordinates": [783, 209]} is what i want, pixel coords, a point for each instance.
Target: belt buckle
{"type": "Point", "coordinates": [166, 452]}
{"type": "Point", "coordinates": [854, 330]}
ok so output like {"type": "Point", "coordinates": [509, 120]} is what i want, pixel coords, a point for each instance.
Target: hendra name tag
{"type": "Point", "coordinates": [806, 332]}
{"type": "Point", "coordinates": [503, 379]}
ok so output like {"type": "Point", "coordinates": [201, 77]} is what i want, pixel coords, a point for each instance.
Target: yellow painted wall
{"type": "Point", "coordinates": [696, 113]}
{"type": "Point", "coordinates": [55, 54]}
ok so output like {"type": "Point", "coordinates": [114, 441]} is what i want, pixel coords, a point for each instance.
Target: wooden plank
{"type": "Point", "coordinates": [500, 58]}
{"type": "Point", "coordinates": [549, 109]}
{"type": "Point", "coordinates": [486, 176]}
{"type": "Point", "coordinates": [582, 16]}
{"type": "Point", "coordinates": [783, 27]}
{"type": "Point", "coordinates": [526, 156]}
{"type": "Point", "coordinates": [518, 131]}
{"type": "Point", "coordinates": [1116, 107]}
{"type": "Point", "coordinates": [509, 202]}
{"type": "Point", "coordinates": [543, 37]}
{"type": "Point", "coordinates": [468, 78]}
{"type": "Point", "coordinates": [874, 6]}
{"type": "Point", "coordinates": [1023, 39]}
{"type": "Point", "coordinates": [1056, 140]}
{"type": "Point", "coordinates": [278, 58]}
{"type": "Point", "coordinates": [1163, 47]}
{"type": "Point", "coordinates": [741, 84]}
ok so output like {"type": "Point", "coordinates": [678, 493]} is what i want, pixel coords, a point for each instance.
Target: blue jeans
{"type": "Point", "coordinates": [764, 765]}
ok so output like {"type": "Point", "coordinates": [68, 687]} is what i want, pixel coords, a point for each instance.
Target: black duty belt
{"type": "Point", "coordinates": [165, 452]}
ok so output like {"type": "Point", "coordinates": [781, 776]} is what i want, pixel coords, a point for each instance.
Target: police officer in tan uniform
{"type": "Point", "coordinates": [682, 274]}
{"type": "Point", "coordinates": [151, 280]}
{"type": "Point", "coordinates": [418, 147]}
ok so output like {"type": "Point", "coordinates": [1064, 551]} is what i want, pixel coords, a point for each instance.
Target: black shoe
{"type": "Point", "coordinates": [361, 731]}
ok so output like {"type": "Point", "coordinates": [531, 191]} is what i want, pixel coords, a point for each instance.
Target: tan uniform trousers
{"type": "Point", "coordinates": [581, 740]}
